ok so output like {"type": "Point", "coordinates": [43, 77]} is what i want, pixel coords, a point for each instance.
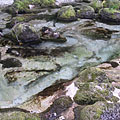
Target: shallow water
{"type": "Point", "coordinates": [79, 51]}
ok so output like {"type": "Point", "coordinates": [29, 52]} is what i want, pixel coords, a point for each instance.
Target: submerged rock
{"type": "Point", "coordinates": [97, 32]}
{"type": "Point", "coordinates": [66, 13]}
{"type": "Point", "coordinates": [4, 20]}
{"type": "Point", "coordinates": [24, 33]}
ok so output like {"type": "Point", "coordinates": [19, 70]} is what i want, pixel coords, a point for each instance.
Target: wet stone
{"type": "Point", "coordinates": [10, 63]}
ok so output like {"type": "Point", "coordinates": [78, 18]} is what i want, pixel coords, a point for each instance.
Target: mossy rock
{"type": "Point", "coordinates": [18, 116]}
{"type": "Point", "coordinates": [22, 6]}
{"type": "Point", "coordinates": [92, 112]}
{"type": "Point", "coordinates": [110, 15]}
{"type": "Point", "coordinates": [93, 74]}
{"type": "Point", "coordinates": [85, 12]}
{"type": "Point", "coordinates": [90, 93]}
{"type": "Point", "coordinates": [24, 33]}
{"type": "Point", "coordinates": [66, 13]}
{"type": "Point", "coordinates": [96, 4]}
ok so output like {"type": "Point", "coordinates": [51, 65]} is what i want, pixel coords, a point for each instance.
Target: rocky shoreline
{"type": "Point", "coordinates": [59, 60]}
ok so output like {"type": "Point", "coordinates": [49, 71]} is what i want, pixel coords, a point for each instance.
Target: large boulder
{"type": "Point", "coordinates": [24, 33]}
{"type": "Point", "coordinates": [110, 15]}
{"type": "Point", "coordinates": [85, 12]}
{"type": "Point", "coordinates": [66, 13]}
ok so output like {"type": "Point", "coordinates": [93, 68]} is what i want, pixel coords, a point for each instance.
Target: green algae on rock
{"type": "Point", "coordinates": [90, 112]}
{"type": "Point", "coordinates": [23, 6]}
{"type": "Point", "coordinates": [112, 4]}
{"type": "Point", "coordinates": [94, 86]}
{"type": "Point", "coordinates": [66, 13]}
{"type": "Point", "coordinates": [93, 74]}
{"type": "Point", "coordinates": [90, 93]}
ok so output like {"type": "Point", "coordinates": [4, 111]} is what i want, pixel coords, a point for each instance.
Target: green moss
{"type": "Point", "coordinates": [92, 74]}
{"type": "Point", "coordinates": [112, 11]}
{"type": "Point", "coordinates": [112, 4]}
{"type": "Point", "coordinates": [22, 5]}
{"type": "Point", "coordinates": [92, 112]}
{"type": "Point", "coordinates": [96, 4]}
{"type": "Point", "coordinates": [67, 12]}
{"type": "Point", "coordinates": [47, 2]}
{"type": "Point", "coordinates": [18, 116]}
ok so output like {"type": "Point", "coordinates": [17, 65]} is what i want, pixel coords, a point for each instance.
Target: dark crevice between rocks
{"type": "Point", "coordinates": [4, 110]}
{"type": "Point", "coordinates": [113, 64]}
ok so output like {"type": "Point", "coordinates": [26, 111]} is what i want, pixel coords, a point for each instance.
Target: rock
{"type": "Point", "coordinates": [112, 112]}
{"type": "Point", "coordinates": [17, 115]}
{"type": "Point", "coordinates": [85, 12]}
{"type": "Point", "coordinates": [89, 93]}
{"type": "Point", "coordinates": [21, 19]}
{"type": "Point", "coordinates": [47, 34]}
{"type": "Point", "coordinates": [59, 105]}
{"type": "Point", "coordinates": [4, 20]}
{"type": "Point", "coordinates": [24, 6]}
{"type": "Point", "coordinates": [97, 32]}
{"type": "Point", "coordinates": [98, 111]}
{"type": "Point", "coordinates": [90, 112]}
{"type": "Point", "coordinates": [11, 62]}
{"type": "Point", "coordinates": [93, 74]}
{"type": "Point", "coordinates": [24, 33]}
{"type": "Point", "coordinates": [93, 86]}
{"type": "Point", "coordinates": [66, 13]}
{"type": "Point", "coordinates": [112, 4]}
{"type": "Point", "coordinates": [96, 4]}
{"type": "Point", "coordinates": [110, 15]}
